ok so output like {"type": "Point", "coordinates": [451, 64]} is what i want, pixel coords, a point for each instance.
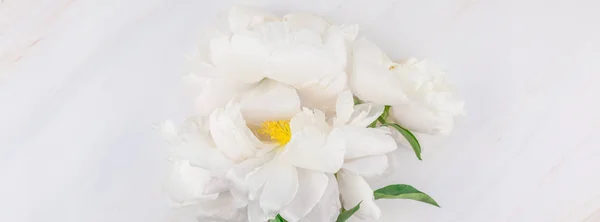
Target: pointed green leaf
{"type": "Point", "coordinates": [386, 112]}
{"type": "Point", "coordinates": [373, 124]}
{"type": "Point", "coordinates": [278, 218]}
{"type": "Point", "coordinates": [403, 191]}
{"type": "Point", "coordinates": [356, 100]}
{"type": "Point", "coordinates": [345, 215]}
{"type": "Point", "coordinates": [414, 143]}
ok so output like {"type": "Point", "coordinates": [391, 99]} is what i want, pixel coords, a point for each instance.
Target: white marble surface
{"type": "Point", "coordinates": [81, 81]}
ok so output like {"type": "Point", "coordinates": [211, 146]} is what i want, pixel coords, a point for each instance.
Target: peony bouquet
{"type": "Point", "coordinates": [294, 115]}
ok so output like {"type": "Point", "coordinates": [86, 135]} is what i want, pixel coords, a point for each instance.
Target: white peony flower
{"type": "Point", "coordinates": [205, 149]}
{"type": "Point", "coordinates": [365, 153]}
{"type": "Point", "coordinates": [299, 54]}
{"type": "Point", "coordinates": [278, 132]}
{"type": "Point", "coordinates": [420, 96]}
{"type": "Point", "coordinates": [295, 180]}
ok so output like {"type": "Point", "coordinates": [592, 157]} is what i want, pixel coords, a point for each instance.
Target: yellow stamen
{"type": "Point", "coordinates": [278, 130]}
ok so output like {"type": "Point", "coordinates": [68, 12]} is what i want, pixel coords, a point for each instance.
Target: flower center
{"type": "Point", "coordinates": [278, 130]}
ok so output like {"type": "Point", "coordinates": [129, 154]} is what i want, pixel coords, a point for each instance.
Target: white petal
{"type": "Point", "coordinates": [312, 149]}
{"type": "Point", "coordinates": [308, 117]}
{"type": "Point", "coordinates": [231, 134]}
{"type": "Point", "coordinates": [328, 208]}
{"type": "Point", "coordinates": [270, 100]}
{"type": "Point", "coordinates": [221, 209]}
{"type": "Point", "coordinates": [256, 214]}
{"type": "Point", "coordinates": [337, 41]}
{"type": "Point", "coordinates": [344, 108]}
{"type": "Point", "coordinates": [240, 172]}
{"type": "Point", "coordinates": [355, 189]}
{"type": "Point", "coordinates": [312, 185]}
{"type": "Point", "coordinates": [202, 154]}
{"type": "Point", "coordinates": [367, 141]}
{"type": "Point", "coordinates": [187, 183]}
{"type": "Point", "coordinates": [367, 166]}
{"type": "Point", "coordinates": [365, 114]}
{"type": "Point", "coordinates": [243, 18]}
{"type": "Point", "coordinates": [280, 188]}
{"type": "Point", "coordinates": [371, 79]}
{"type": "Point", "coordinates": [243, 60]}
{"type": "Point", "coordinates": [217, 93]}
{"type": "Point", "coordinates": [322, 95]}
{"type": "Point", "coordinates": [273, 35]}
{"type": "Point", "coordinates": [301, 21]}
{"type": "Point", "coordinates": [297, 64]}
{"type": "Point", "coordinates": [241, 180]}
{"type": "Point", "coordinates": [392, 167]}
{"type": "Point", "coordinates": [418, 119]}
{"type": "Point", "coordinates": [256, 179]}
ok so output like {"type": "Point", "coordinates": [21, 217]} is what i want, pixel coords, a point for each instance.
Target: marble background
{"type": "Point", "coordinates": [82, 81]}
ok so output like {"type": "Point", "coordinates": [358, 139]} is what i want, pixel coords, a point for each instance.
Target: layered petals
{"type": "Point", "coordinates": [231, 134]}
{"type": "Point", "coordinates": [312, 186]}
{"type": "Point", "coordinates": [315, 150]}
{"type": "Point", "coordinates": [269, 100]}
{"type": "Point", "coordinates": [363, 142]}
{"type": "Point", "coordinates": [360, 115]}
{"type": "Point", "coordinates": [422, 100]}
{"type": "Point", "coordinates": [354, 190]}
{"type": "Point", "coordinates": [328, 208]}
{"type": "Point", "coordinates": [371, 79]}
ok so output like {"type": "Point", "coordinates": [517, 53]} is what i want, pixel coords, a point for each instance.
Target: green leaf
{"type": "Point", "coordinates": [278, 218]}
{"type": "Point", "coordinates": [356, 100]}
{"type": "Point", "coordinates": [414, 143]}
{"type": "Point", "coordinates": [373, 124]}
{"type": "Point", "coordinates": [403, 191]}
{"type": "Point", "coordinates": [344, 215]}
{"type": "Point", "coordinates": [386, 113]}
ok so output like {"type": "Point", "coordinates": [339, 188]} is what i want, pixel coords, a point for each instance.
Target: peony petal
{"type": "Point", "coordinates": [312, 185]}
{"type": "Point", "coordinates": [256, 214]}
{"type": "Point", "coordinates": [354, 189]}
{"type": "Point", "coordinates": [371, 79]}
{"type": "Point", "coordinates": [328, 207]}
{"type": "Point", "coordinates": [304, 21]}
{"type": "Point", "coordinates": [367, 166]}
{"type": "Point", "coordinates": [217, 93]}
{"type": "Point", "coordinates": [231, 134]}
{"type": "Point", "coordinates": [298, 64]}
{"type": "Point", "coordinates": [243, 60]}
{"type": "Point", "coordinates": [419, 119]}
{"type": "Point", "coordinates": [306, 37]}
{"type": "Point", "coordinates": [337, 41]}
{"type": "Point", "coordinates": [256, 179]}
{"type": "Point", "coordinates": [280, 187]}
{"type": "Point", "coordinates": [240, 172]}
{"type": "Point", "coordinates": [186, 183]}
{"type": "Point", "coordinates": [344, 108]}
{"type": "Point", "coordinates": [323, 95]}
{"type": "Point", "coordinates": [392, 167]}
{"type": "Point", "coordinates": [221, 209]}
{"type": "Point", "coordinates": [312, 149]}
{"type": "Point", "coordinates": [216, 185]}
{"type": "Point", "coordinates": [365, 114]}
{"type": "Point", "coordinates": [308, 117]}
{"type": "Point", "coordinates": [270, 100]}
{"type": "Point", "coordinates": [243, 18]}
{"type": "Point", "coordinates": [242, 181]}
{"type": "Point", "coordinates": [201, 154]}
{"type": "Point", "coordinates": [367, 141]}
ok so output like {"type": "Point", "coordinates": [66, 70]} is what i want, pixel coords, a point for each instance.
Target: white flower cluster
{"type": "Point", "coordinates": [279, 132]}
